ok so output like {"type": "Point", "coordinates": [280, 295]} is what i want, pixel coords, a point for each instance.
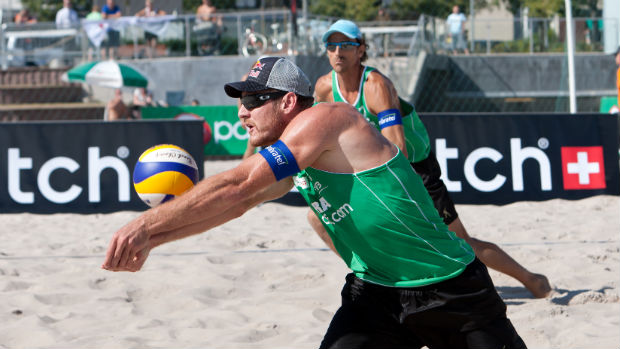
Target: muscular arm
{"type": "Point", "coordinates": [380, 95]}
{"type": "Point", "coordinates": [211, 202]}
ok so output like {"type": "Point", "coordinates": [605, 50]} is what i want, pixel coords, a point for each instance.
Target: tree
{"type": "Point", "coordinates": [45, 10]}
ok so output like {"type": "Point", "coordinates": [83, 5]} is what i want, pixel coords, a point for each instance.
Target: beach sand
{"type": "Point", "coordinates": [266, 280]}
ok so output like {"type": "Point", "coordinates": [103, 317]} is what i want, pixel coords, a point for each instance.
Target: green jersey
{"type": "Point", "coordinates": [416, 137]}
{"type": "Point", "coordinates": [384, 225]}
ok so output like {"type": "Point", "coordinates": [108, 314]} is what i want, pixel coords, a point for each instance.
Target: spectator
{"type": "Point", "coordinates": [94, 15]}
{"type": "Point", "coordinates": [206, 12]}
{"type": "Point", "coordinates": [209, 27]}
{"type": "Point", "coordinates": [24, 17]}
{"type": "Point", "coordinates": [141, 98]}
{"type": "Point", "coordinates": [116, 108]}
{"type": "Point", "coordinates": [456, 30]}
{"type": "Point", "coordinates": [150, 38]}
{"type": "Point", "coordinates": [111, 11]}
{"type": "Point", "coordinates": [66, 17]}
{"type": "Point", "coordinates": [195, 102]}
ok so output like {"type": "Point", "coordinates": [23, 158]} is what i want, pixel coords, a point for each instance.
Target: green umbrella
{"type": "Point", "coordinates": [108, 74]}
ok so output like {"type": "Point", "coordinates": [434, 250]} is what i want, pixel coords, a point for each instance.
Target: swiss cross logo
{"type": "Point", "coordinates": [583, 168]}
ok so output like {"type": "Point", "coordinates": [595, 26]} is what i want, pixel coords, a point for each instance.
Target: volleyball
{"type": "Point", "coordinates": [164, 172]}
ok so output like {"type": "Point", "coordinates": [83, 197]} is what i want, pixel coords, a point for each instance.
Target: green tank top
{"type": "Point", "coordinates": [384, 225]}
{"type": "Point", "coordinates": [416, 137]}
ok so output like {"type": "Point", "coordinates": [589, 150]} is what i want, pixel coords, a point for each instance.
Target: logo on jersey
{"type": "Point", "coordinates": [583, 168]}
{"type": "Point", "coordinates": [301, 182]}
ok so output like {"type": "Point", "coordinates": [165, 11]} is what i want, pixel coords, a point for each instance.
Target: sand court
{"type": "Point", "coordinates": [266, 280]}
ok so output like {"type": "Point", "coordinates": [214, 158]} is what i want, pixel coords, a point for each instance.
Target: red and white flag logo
{"type": "Point", "coordinates": [583, 168]}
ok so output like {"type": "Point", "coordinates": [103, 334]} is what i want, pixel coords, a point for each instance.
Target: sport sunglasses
{"type": "Point", "coordinates": [345, 45]}
{"type": "Point", "coordinates": [254, 101]}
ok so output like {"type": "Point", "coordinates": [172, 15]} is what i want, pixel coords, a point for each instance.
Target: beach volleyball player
{"type": "Point", "coordinates": [374, 95]}
{"type": "Point", "coordinates": [413, 282]}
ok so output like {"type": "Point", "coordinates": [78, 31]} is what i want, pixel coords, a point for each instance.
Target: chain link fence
{"type": "Point", "coordinates": [514, 66]}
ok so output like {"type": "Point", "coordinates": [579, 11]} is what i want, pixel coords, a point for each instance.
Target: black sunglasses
{"type": "Point", "coordinates": [254, 101]}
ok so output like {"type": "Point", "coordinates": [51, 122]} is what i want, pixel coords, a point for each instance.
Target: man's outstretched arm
{"type": "Point", "coordinates": [210, 203]}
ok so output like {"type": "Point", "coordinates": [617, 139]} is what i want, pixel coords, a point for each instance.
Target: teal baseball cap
{"type": "Point", "coordinates": [346, 27]}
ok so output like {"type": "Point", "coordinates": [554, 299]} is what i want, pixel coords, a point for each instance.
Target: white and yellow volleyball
{"type": "Point", "coordinates": [164, 172]}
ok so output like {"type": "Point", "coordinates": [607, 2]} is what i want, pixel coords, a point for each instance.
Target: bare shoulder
{"type": "Point", "coordinates": [380, 93]}
{"type": "Point", "coordinates": [323, 89]}
{"type": "Point", "coordinates": [376, 79]}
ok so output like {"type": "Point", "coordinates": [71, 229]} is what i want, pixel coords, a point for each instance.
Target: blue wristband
{"type": "Point", "coordinates": [389, 117]}
{"type": "Point", "coordinates": [280, 159]}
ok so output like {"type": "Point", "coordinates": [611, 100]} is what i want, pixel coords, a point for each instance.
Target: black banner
{"type": "Point", "coordinates": [82, 167]}
{"type": "Point", "coordinates": [503, 158]}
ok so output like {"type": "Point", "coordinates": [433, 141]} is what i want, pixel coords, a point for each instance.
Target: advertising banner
{"type": "Point", "coordinates": [222, 130]}
{"type": "Point", "coordinates": [82, 167]}
{"type": "Point", "coordinates": [503, 158]}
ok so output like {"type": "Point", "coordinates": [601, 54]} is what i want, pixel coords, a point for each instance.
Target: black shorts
{"type": "Point", "coordinates": [463, 312]}
{"type": "Point", "coordinates": [114, 38]}
{"type": "Point", "coordinates": [430, 172]}
{"type": "Point", "coordinates": [148, 36]}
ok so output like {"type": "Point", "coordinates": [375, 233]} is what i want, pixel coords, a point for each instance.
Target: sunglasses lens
{"type": "Point", "coordinates": [254, 101]}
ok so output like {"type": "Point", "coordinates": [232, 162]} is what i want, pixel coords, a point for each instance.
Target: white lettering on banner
{"type": "Point", "coordinates": [518, 156]}
{"type": "Point", "coordinates": [470, 169]}
{"type": "Point", "coordinates": [96, 165]}
{"type": "Point", "coordinates": [583, 168]}
{"type": "Point", "coordinates": [16, 164]}
{"type": "Point", "coordinates": [43, 180]}
{"type": "Point", "coordinates": [224, 130]}
{"type": "Point", "coordinates": [444, 153]}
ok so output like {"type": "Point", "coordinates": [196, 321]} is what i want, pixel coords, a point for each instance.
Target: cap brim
{"type": "Point", "coordinates": [235, 89]}
{"type": "Point", "coordinates": [332, 31]}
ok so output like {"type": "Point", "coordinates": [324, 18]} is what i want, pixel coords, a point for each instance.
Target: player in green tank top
{"type": "Point", "coordinates": [372, 94]}
{"type": "Point", "coordinates": [414, 283]}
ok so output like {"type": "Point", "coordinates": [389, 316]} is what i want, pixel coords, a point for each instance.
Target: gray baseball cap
{"type": "Point", "coordinates": [276, 73]}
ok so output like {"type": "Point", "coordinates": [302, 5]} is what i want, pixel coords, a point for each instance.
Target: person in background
{"type": "Point", "coordinates": [141, 98]}
{"type": "Point", "coordinates": [456, 30]}
{"type": "Point", "coordinates": [93, 15]}
{"type": "Point", "coordinates": [375, 96]}
{"type": "Point", "coordinates": [195, 102]}
{"type": "Point", "coordinates": [116, 108]}
{"type": "Point", "coordinates": [111, 11]}
{"type": "Point", "coordinates": [66, 17]}
{"type": "Point", "coordinates": [24, 17]}
{"type": "Point", "coordinates": [210, 24]}
{"type": "Point", "coordinates": [150, 38]}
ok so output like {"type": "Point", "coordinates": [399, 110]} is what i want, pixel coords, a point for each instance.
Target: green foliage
{"type": "Point", "coordinates": [45, 10]}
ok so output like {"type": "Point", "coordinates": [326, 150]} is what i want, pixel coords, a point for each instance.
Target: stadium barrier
{"type": "Point", "coordinates": [82, 167]}
{"type": "Point", "coordinates": [85, 167]}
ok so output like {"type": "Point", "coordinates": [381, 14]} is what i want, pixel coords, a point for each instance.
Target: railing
{"type": "Point", "coordinates": [229, 34]}
{"type": "Point", "coordinates": [529, 35]}
{"type": "Point", "coordinates": [271, 32]}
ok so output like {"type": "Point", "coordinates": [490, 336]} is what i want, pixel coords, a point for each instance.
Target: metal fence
{"type": "Point", "coordinates": [446, 86]}
{"type": "Point", "coordinates": [272, 32]}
